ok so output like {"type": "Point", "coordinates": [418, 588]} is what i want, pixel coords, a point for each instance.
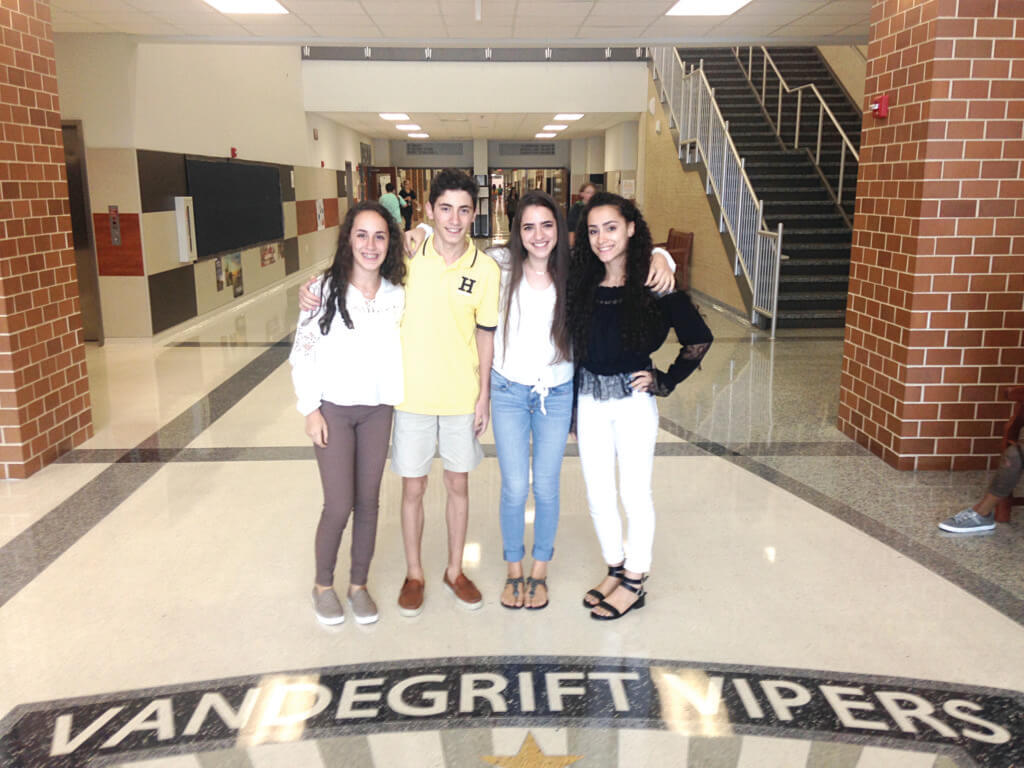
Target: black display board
{"type": "Point", "coordinates": [237, 204]}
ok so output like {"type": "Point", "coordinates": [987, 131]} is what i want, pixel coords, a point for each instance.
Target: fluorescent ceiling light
{"type": "Point", "coordinates": [545, 135]}
{"type": "Point", "coordinates": [394, 115]}
{"type": "Point", "coordinates": [407, 127]}
{"type": "Point", "coordinates": [706, 7]}
{"type": "Point", "coordinates": [247, 6]}
{"type": "Point", "coordinates": [555, 127]}
{"type": "Point", "coordinates": [568, 116]}
{"type": "Point", "coordinates": [419, 135]}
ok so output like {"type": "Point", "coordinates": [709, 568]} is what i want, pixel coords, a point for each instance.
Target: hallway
{"type": "Point", "coordinates": [803, 609]}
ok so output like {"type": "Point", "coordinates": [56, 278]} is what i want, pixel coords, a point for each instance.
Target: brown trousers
{"type": "Point", "coordinates": [351, 465]}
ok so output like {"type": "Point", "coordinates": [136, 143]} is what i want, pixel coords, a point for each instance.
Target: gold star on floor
{"type": "Point", "coordinates": [530, 756]}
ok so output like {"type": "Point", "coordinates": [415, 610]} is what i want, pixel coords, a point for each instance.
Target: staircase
{"type": "Point", "coordinates": [805, 65]}
{"type": "Point", "coordinates": [817, 236]}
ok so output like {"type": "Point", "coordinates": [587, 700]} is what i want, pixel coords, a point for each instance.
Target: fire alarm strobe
{"type": "Point", "coordinates": [880, 106]}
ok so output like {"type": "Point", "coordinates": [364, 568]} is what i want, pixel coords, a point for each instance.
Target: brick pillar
{"type": "Point", "coordinates": [936, 306]}
{"type": "Point", "coordinates": [44, 392]}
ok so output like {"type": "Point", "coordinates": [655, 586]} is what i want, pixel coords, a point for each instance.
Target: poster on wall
{"type": "Point", "coordinates": [628, 188]}
{"type": "Point", "coordinates": [269, 254]}
{"type": "Point", "coordinates": [321, 218]}
{"type": "Point", "coordinates": [218, 269]}
{"type": "Point", "coordinates": [233, 273]}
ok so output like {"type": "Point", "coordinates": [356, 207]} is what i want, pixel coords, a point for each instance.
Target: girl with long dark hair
{"type": "Point", "coordinates": [616, 323]}
{"type": "Point", "coordinates": [347, 371]}
{"type": "Point", "coordinates": [531, 389]}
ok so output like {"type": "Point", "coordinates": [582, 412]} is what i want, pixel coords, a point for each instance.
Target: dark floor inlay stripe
{"type": "Point", "coordinates": [305, 453]}
{"type": "Point", "coordinates": [281, 343]}
{"type": "Point", "coordinates": [980, 726]}
{"type": "Point", "coordinates": [26, 555]}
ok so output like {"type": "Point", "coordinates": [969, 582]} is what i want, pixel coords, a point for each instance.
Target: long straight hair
{"type": "Point", "coordinates": [558, 268]}
{"type": "Point", "coordinates": [337, 275]}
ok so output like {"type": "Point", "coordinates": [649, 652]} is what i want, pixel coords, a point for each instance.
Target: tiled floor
{"type": "Point", "coordinates": [803, 610]}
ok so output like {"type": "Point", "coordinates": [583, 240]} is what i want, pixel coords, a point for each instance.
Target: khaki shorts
{"type": "Point", "coordinates": [416, 436]}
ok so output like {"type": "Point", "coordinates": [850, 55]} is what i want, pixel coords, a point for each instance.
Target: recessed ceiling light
{"type": "Point", "coordinates": [393, 115]}
{"type": "Point", "coordinates": [419, 135]}
{"type": "Point", "coordinates": [555, 127]}
{"type": "Point", "coordinates": [706, 7]}
{"type": "Point", "coordinates": [568, 116]}
{"type": "Point", "coordinates": [407, 127]}
{"type": "Point", "coordinates": [247, 6]}
{"type": "Point", "coordinates": [545, 135]}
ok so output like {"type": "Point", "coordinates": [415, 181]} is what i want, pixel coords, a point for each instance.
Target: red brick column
{"type": "Point", "coordinates": [936, 306]}
{"type": "Point", "coordinates": [44, 392]}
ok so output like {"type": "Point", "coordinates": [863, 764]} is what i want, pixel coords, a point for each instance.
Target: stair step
{"type": "Point", "coordinates": [836, 281]}
{"type": "Point", "coordinates": [811, 319]}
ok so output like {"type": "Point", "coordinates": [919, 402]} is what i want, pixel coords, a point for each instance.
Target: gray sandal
{"type": "Point", "coordinates": [532, 590]}
{"type": "Point", "coordinates": [516, 582]}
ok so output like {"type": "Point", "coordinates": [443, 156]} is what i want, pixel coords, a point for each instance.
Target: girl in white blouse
{"type": "Point", "coordinates": [347, 371]}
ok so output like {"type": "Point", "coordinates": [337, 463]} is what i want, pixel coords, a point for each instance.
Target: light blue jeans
{"type": "Point", "coordinates": [515, 416]}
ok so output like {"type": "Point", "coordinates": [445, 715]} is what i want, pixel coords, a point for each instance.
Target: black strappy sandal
{"type": "Point", "coordinates": [532, 590]}
{"type": "Point", "coordinates": [516, 582]}
{"type": "Point", "coordinates": [615, 571]}
{"type": "Point", "coordinates": [636, 586]}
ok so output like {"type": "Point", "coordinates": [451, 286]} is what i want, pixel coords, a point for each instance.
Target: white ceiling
{"type": "Point", "coordinates": [517, 127]}
{"type": "Point", "coordinates": [442, 23]}
{"type": "Point", "coordinates": [452, 22]}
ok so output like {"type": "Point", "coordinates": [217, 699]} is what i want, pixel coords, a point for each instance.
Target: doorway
{"type": "Point", "coordinates": [81, 230]}
{"type": "Point", "coordinates": [509, 184]}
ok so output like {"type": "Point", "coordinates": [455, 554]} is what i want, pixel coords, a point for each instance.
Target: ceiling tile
{"type": "Point", "coordinates": [92, 5]}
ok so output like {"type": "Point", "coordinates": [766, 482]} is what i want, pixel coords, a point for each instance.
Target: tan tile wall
{"type": "Point", "coordinates": [44, 392]}
{"type": "Point", "coordinates": [675, 198]}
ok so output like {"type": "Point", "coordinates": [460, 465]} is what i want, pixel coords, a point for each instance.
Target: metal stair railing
{"type": "Point", "coordinates": [778, 82]}
{"type": "Point", "coordinates": [702, 131]}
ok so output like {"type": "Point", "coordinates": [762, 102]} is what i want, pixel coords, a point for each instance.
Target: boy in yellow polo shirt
{"type": "Point", "coordinates": [451, 311]}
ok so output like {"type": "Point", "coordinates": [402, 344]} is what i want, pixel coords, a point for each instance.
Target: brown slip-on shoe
{"type": "Point", "coordinates": [465, 591]}
{"type": "Point", "coordinates": [410, 599]}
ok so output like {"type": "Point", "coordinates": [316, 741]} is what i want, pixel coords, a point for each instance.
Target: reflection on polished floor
{"type": "Point", "coordinates": [803, 609]}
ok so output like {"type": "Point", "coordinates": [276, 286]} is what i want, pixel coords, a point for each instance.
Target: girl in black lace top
{"type": "Point", "coordinates": [616, 325]}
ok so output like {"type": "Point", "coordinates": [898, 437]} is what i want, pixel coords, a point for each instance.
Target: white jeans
{"type": "Point", "coordinates": [626, 428]}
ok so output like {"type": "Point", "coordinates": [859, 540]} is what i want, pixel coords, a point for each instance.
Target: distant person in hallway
{"type": "Point", "coordinates": [408, 195]}
{"type": "Point", "coordinates": [451, 313]}
{"type": "Point", "coordinates": [347, 371]}
{"type": "Point", "coordinates": [511, 201]}
{"type": "Point", "coordinates": [586, 192]}
{"type": "Point", "coordinates": [393, 203]}
{"type": "Point", "coordinates": [616, 324]}
{"type": "Point", "coordinates": [980, 516]}
{"type": "Point", "coordinates": [531, 386]}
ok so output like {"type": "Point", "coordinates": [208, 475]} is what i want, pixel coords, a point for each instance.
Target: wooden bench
{"type": "Point", "coordinates": [1010, 436]}
{"type": "Point", "coordinates": [680, 245]}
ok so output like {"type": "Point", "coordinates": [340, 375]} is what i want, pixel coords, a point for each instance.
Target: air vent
{"type": "Point", "coordinates": [526, 149]}
{"type": "Point", "coordinates": [434, 148]}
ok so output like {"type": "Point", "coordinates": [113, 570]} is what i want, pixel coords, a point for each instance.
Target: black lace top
{"type": "Point", "coordinates": [605, 372]}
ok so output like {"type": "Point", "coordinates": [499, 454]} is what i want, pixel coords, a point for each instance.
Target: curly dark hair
{"type": "Point", "coordinates": [639, 310]}
{"type": "Point", "coordinates": [558, 268]}
{"type": "Point", "coordinates": [452, 179]}
{"type": "Point", "coordinates": [337, 275]}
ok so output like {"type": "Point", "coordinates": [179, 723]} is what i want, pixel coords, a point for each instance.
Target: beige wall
{"type": "Point", "coordinates": [850, 65]}
{"type": "Point", "coordinates": [672, 197]}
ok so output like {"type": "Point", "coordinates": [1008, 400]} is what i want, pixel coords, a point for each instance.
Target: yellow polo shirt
{"type": "Point", "coordinates": [444, 305]}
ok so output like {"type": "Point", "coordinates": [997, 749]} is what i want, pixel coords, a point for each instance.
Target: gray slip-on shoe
{"type": "Point", "coordinates": [363, 607]}
{"type": "Point", "coordinates": [328, 607]}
